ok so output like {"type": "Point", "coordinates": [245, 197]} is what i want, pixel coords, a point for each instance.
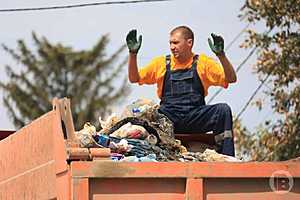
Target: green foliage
{"type": "Point", "coordinates": [278, 57]}
{"type": "Point", "coordinates": [90, 78]}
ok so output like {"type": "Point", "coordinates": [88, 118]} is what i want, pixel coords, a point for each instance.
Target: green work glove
{"type": "Point", "coordinates": [133, 44]}
{"type": "Point", "coordinates": [218, 46]}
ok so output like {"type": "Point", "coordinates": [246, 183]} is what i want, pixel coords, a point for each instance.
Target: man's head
{"type": "Point", "coordinates": [181, 42]}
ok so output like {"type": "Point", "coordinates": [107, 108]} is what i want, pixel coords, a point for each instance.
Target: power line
{"type": "Point", "coordinates": [244, 61]}
{"type": "Point", "coordinates": [237, 70]}
{"type": "Point", "coordinates": [237, 37]}
{"type": "Point", "coordinates": [78, 5]}
{"type": "Point", "coordinates": [252, 96]}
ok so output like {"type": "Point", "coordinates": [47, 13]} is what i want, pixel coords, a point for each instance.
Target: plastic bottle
{"type": "Point", "coordinates": [103, 140]}
{"type": "Point", "coordinates": [136, 112]}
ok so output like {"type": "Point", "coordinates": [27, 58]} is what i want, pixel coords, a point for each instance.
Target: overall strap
{"type": "Point", "coordinates": [167, 74]}
{"type": "Point", "coordinates": [168, 63]}
{"type": "Point", "coordinates": [199, 85]}
{"type": "Point", "coordinates": [195, 59]}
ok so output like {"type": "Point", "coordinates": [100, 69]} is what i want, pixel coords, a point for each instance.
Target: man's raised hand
{"type": "Point", "coordinates": [217, 46]}
{"type": "Point", "coordinates": [132, 43]}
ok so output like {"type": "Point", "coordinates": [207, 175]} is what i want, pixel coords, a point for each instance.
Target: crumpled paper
{"type": "Point", "coordinates": [130, 131]}
{"type": "Point", "coordinates": [108, 123]}
{"type": "Point", "coordinates": [85, 135]}
{"type": "Point", "coordinates": [210, 155]}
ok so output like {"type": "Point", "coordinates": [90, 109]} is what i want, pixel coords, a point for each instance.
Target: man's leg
{"type": "Point", "coordinates": [216, 118]}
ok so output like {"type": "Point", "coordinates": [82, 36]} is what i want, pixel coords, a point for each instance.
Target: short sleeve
{"type": "Point", "coordinates": [148, 73]}
{"type": "Point", "coordinates": [214, 73]}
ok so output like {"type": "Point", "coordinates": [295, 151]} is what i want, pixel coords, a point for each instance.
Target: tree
{"type": "Point", "coordinates": [89, 78]}
{"type": "Point", "coordinates": [278, 62]}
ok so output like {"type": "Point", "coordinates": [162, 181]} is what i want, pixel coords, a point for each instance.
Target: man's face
{"type": "Point", "coordinates": [179, 46]}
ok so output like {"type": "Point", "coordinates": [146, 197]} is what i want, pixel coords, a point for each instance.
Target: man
{"type": "Point", "coordinates": [183, 79]}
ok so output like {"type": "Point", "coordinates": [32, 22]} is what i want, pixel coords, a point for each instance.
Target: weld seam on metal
{"type": "Point", "coordinates": [27, 171]}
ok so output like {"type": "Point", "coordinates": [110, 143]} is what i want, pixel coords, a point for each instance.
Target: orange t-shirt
{"type": "Point", "coordinates": [209, 71]}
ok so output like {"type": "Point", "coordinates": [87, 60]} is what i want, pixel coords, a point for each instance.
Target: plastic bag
{"type": "Point", "coordinates": [137, 108]}
{"type": "Point", "coordinates": [130, 131]}
{"type": "Point", "coordinates": [85, 135]}
{"type": "Point", "coordinates": [108, 123]}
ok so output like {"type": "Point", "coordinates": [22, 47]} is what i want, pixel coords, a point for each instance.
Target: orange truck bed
{"type": "Point", "coordinates": [41, 161]}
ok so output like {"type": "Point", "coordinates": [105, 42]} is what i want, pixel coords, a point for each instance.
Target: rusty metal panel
{"type": "Point", "coordinates": [177, 169]}
{"type": "Point", "coordinates": [33, 161]}
{"type": "Point", "coordinates": [27, 148]}
{"type": "Point", "coordinates": [153, 196]}
{"type": "Point", "coordinates": [27, 164]}
{"type": "Point", "coordinates": [137, 188]}
{"type": "Point", "coordinates": [34, 183]}
{"type": "Point", "coordinates": [194, 189]}
{"type": "Point", "coordinates": [57, 135]}
{"type": "Point", "coordinates": [248, 189]}
{"type": "Point", "coordinates": [80, 189]}
{"type": "Point", "coordinates": [60, 156]}
{"type": "Point", "coordinates": [33, 166]}
{"type": "Point", "coordinates": [208, 181]}
{"type": "Point", "coordinates": [63, 185]}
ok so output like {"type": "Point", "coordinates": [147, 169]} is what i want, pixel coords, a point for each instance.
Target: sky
{"type": "Point", "coordinates": [82, 27]}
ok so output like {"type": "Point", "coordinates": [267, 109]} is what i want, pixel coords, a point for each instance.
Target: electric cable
{"type": "Point", "coordinates": [240, 66]}
{"type": "Point", "coordinates": [252, 96]}
{"type": "Point", "coordinates": [237, 37]}
{"type": "Point", "coordinates": [78, 5]}
{"type": "Point", "coordinates": [237, 70]}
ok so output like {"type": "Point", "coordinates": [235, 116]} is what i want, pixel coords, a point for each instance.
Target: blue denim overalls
{"type": "Point", "coordinates": [183, 103]}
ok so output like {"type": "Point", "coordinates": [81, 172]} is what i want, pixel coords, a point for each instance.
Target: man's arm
{"type": "Point", "coordinates": [133, 73]}
{"type": "Point", "coordinates": [230, 75]}
{"type": "Point", "coordinates": [133, 46]}
{"type": "Point", "coordinates": [217, 46]}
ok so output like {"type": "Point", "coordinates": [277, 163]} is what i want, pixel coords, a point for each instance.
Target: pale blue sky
{"type": "Point", "coordinates": [82, 27]}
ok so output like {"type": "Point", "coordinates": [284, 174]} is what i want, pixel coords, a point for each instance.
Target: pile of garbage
{"type": "Point", "coordinates": [142, 134]}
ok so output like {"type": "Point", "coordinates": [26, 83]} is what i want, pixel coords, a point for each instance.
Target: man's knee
{"type": "Point", "coordinates": [224, 108]}
{"type": "Point", "coordinates": [225, 117]}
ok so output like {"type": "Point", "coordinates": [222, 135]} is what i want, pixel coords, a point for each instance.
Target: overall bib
{"type": "Point", "coordinates": [183, 103]}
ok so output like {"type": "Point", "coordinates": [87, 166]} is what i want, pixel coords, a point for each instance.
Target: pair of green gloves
{"type": "Point", "coordinates": [217, 46]}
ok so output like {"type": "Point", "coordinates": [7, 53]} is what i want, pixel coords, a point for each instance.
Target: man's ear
{"type": "Point", "coordinates": [190, 42]}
